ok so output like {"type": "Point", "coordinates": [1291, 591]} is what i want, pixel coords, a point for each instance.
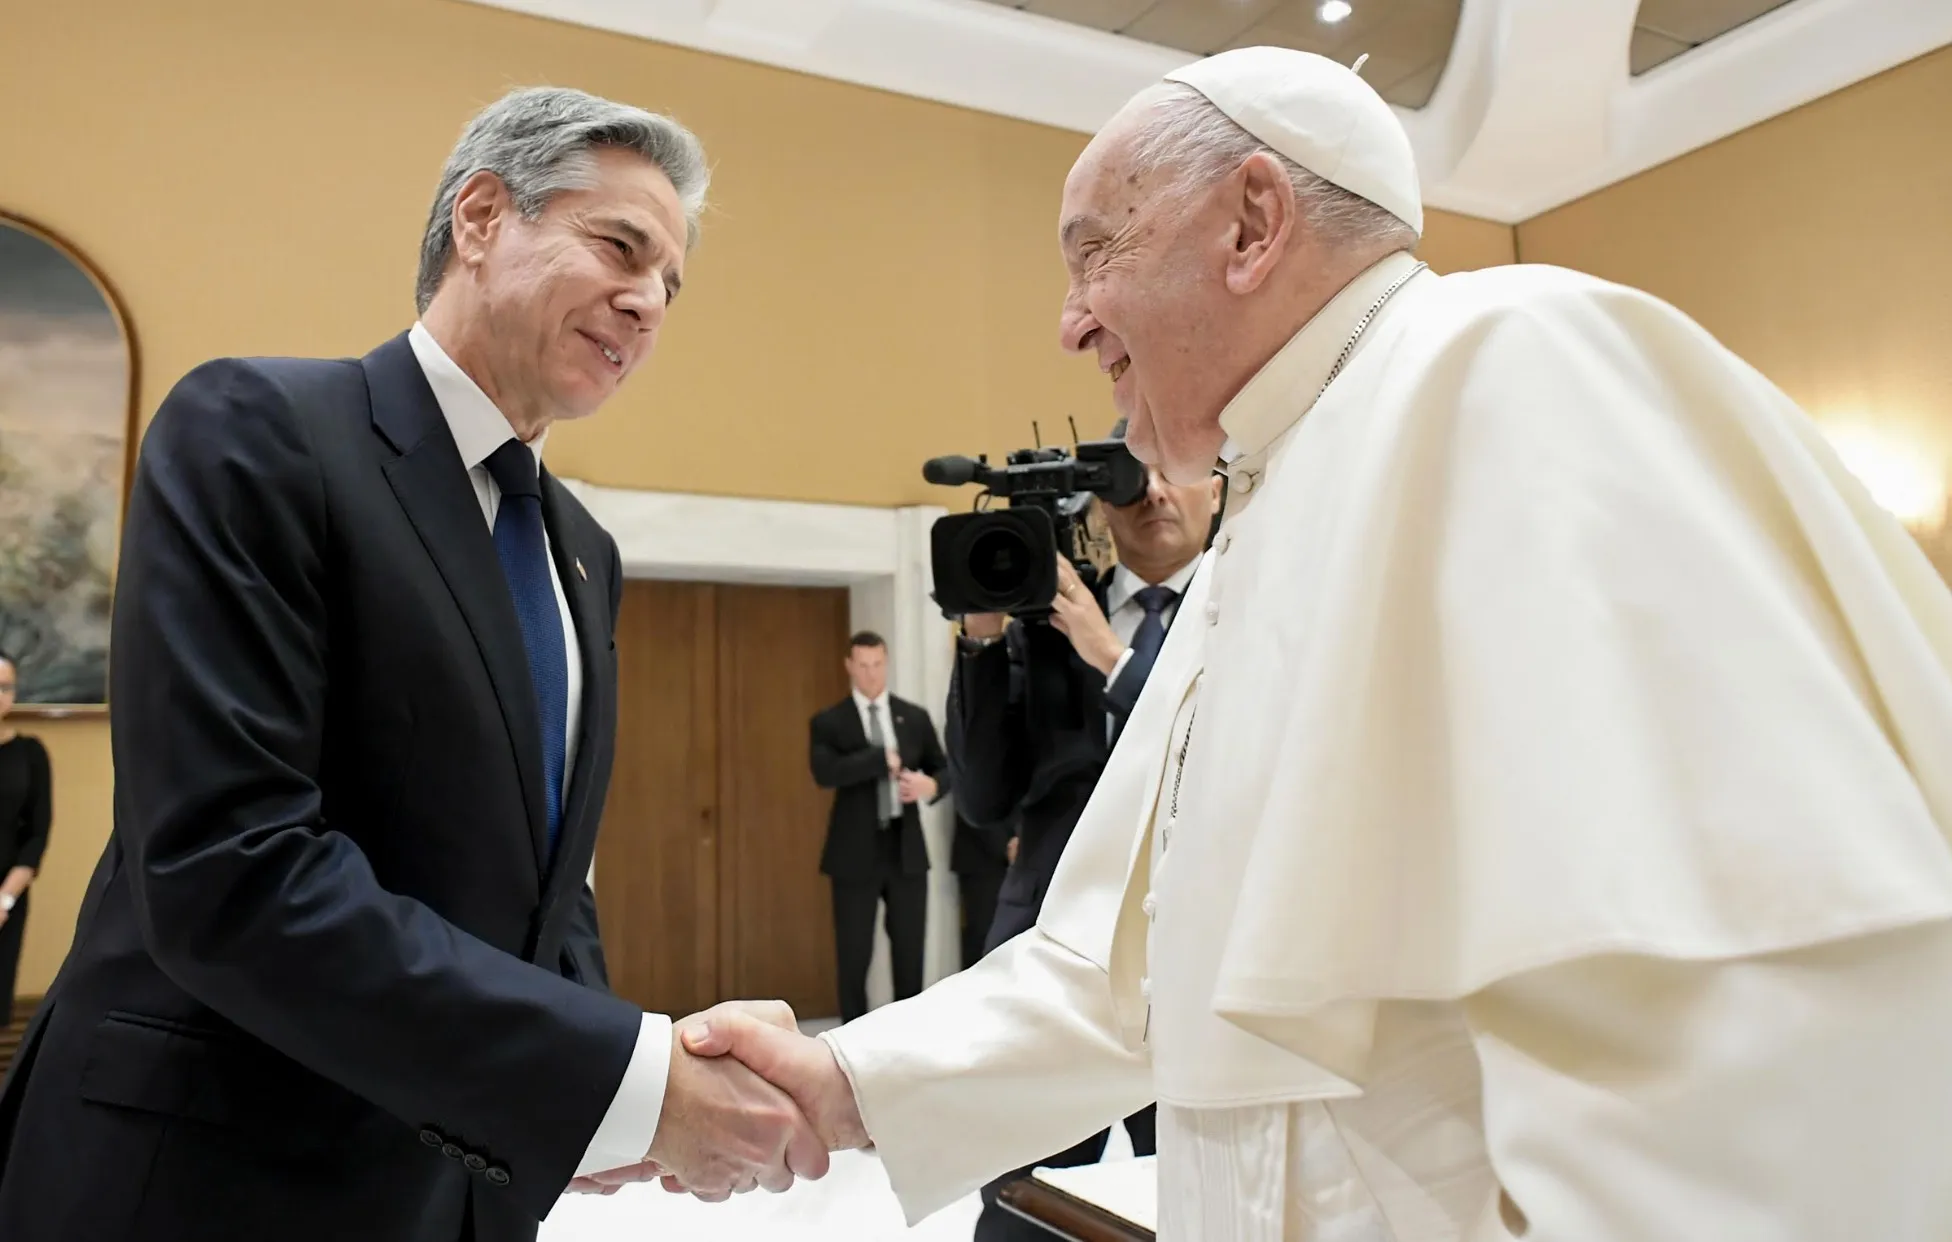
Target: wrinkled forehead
{"type": "Point", "coordinates": [1106, 181]}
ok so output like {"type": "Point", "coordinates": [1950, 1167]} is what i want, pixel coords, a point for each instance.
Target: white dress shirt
{"type": "Point", "coordinates": [880, 705]}
{"type": "Point", "coordinates": [1123, 610]}
{"type": "Point", "coordinates": [479, 429]}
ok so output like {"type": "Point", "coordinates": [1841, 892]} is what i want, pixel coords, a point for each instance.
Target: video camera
{"type": "Point", "coordinates": [1005, 560]}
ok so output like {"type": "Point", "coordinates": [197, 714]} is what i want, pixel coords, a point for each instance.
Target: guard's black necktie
{"type": "Point", "coordinates": [524, 552]}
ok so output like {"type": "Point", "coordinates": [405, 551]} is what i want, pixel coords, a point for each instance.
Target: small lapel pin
{"type": "Point", "coordinates": [582, 573]}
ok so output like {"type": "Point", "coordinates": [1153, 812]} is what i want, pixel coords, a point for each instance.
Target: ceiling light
{"type": "Point", "coordinates": [1897, 476]}
{"type": "Point", "coordinates": [1333, 11]}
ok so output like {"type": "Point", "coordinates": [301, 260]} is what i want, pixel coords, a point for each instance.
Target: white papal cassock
{"type": "Point", "coordinates": [1559, 849]}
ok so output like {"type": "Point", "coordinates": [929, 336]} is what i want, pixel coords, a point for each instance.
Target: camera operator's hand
{"type": "Point", "coordinates": [984, 624]}
{"type": "Point", "coordinates": [1075, 614]}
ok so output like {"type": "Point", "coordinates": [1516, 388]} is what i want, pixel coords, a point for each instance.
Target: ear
{"type": "Point", "coordinates": [1218, 486]}
{"type": "Point", "coordinates": [1262, 200]}
{"type": "Point", "coordinates": [480, 210]}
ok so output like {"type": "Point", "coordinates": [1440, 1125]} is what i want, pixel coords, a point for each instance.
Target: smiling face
{"type": "Point", "coordinates": [1187, 273]}
{"type": "Point", "coordinates": [550, 315]}
{"type": "Point", "coordinates": [1147, 295]}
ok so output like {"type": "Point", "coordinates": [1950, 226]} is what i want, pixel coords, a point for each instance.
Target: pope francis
{"type": "Point", "coordinates": [1539, 832]}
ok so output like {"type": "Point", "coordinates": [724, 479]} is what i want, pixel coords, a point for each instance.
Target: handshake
{"type": "Point", "coordinates": [750, 1104]}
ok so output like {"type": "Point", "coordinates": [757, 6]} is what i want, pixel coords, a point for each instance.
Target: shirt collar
{"type": "Point", "coordinates": [1126, 584]}
{"type": "Point", "coordinates": [863, 702]}
{"type": "Point", "coordinates": [1283, 390]}
{"type": "Point", "coordinates": [478, 427]}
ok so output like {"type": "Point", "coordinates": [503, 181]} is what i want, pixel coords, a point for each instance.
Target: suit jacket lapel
{"type": "Point", "coordinates": [433, 487]}
{"type": "Point", "coordinates": [590, 609]}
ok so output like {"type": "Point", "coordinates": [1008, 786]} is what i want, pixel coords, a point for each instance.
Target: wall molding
{"type": "Point", "coordinates": [1536, 107]}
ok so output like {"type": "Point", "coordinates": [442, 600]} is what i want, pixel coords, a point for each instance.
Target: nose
{"type": "Point", "coordinates": [1155, 486]}
{"type": "Point", "coordinates": [643, 300]}
{"type": "Point", "coordinates": [1075, 325]}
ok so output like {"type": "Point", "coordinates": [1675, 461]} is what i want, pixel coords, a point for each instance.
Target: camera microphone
{"type": "Point", "coordinates": [951, 471]}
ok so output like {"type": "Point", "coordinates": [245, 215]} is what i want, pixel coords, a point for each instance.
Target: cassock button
{"type": "Point", "coordinates": [1145, 987]}
{"type": "Point", "coordinates": [453, 1151]}
{"type": "Point", "coordinates": [1245, 481]}
{"type": "Point", "coordinates": [1213, 612]}
{"type": "Point", "coordinates": [475, 1161]}
{"type": "Point", "coordinates": [431, 1137]}
{"type": "Point", "coordinates": [1150, 906]}
{"type": "Point", "coordinates": [497, 1175]}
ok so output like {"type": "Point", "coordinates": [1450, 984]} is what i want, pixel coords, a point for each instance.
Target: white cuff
{"type": "Point", "coordinates": [625, 1136]}
{"type": "Point", "coordinates": [1124, 658]}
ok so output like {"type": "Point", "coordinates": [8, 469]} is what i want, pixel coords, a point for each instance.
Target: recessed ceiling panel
{"type": "Point", "coordinates": [1407, 41]}
{"type": "Point", "coordinates": [1663, 29]}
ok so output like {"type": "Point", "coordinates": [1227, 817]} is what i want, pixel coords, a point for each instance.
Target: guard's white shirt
{"type": "Point", "coordinates": [871, 709]}
{"type": "Point", "coordinates": [479, 429]}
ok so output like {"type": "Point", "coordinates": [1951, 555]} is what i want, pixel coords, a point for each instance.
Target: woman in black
{"type": "Point", "coordinates": [26, 806]}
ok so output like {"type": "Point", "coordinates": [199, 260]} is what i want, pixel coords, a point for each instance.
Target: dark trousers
{"type": "Point", "coordinates": [997, 1224]}
{"type": "Point", "coordinates": [10, 938]}
{"type": "Point", "coordinates": [979, 893]}
{"type": "Point", "coordinates": [907, 899]}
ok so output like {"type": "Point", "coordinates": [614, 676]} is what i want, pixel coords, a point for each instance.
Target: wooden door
{"type": "Point", "coordinates": [780, 653]}
{"type": "Point", "coordinates": [657, 852]}
{"type": "Point", "coordinates": [708, 867]}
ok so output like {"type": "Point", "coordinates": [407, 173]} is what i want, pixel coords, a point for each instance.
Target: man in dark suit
{"type": "Point", "coordinates": [880, 756]}
{"type": "Point", "coordinates": [1035, 709]}
{"type": "Point", "coordinates": [331, 976]}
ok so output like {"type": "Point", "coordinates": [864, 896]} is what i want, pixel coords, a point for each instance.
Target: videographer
{"type": "Point", "coordinates": [1033, 712]}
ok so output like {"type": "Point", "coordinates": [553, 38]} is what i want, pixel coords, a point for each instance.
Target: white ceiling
{"type": "Point", "coordinates": [1535, 108]}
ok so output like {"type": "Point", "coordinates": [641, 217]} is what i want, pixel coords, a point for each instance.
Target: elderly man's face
{"type": "Point", "coordinates": [575, 297]}
{"type": "Point", "coordinates": [1143, 296]}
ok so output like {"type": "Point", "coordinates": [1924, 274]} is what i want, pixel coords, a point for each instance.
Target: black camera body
{"type": "Point", "coordinates": [1005, 560]}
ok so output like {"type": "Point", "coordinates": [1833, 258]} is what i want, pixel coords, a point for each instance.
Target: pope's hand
{"type": "Point", "coordinates": [804, 1068]}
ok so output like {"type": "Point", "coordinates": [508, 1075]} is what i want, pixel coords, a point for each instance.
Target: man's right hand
{"type": "Point", "coordinates": [725, 1129]}
{"type": "Point", "coordinates": [984, 624]}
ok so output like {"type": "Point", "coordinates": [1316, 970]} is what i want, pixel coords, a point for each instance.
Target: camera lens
{"type": "Point", "coordinates": [999, 561]}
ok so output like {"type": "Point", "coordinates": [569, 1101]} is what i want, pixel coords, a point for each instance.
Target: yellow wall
{"type": "Point", "coordinates": [1817, 245]}
{"type": "Point", "coordinates": [878, 283]}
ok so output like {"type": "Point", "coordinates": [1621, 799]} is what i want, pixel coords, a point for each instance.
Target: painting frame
{"type": "Point", "coordinates": [131, 419]}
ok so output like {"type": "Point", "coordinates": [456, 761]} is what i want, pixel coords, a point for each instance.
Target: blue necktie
{"type": "Point", "coordinates": [524, 552]}
{"type": "Point", "coordinates": [1151, 634]}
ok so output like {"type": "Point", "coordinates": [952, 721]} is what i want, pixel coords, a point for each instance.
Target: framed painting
{"type": "Point", "coordinates": [67, 428]}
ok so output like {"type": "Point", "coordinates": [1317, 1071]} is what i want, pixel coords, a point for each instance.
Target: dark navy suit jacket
{"type": "Point", "coordinates": [326, 982]}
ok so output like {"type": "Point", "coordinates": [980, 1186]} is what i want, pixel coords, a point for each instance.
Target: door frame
{"type": "Point", "coordinates": [881, 555]}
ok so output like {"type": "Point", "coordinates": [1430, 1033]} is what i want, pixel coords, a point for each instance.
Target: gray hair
{"type": "Point", "coordinates": [540, 142]}
{"type": "Point", "coordinates": [1183, 128]}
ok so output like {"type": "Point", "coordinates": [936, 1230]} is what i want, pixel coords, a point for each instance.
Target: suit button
{"type": "Point", "coordinates": [453, 1151]}
{"type": "Point", "coordinates": [497, 1175]}
{"type": "Point", "coordinates": [475, 1161]}
{"type": "Point", "coordinates": [431, 1137]}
